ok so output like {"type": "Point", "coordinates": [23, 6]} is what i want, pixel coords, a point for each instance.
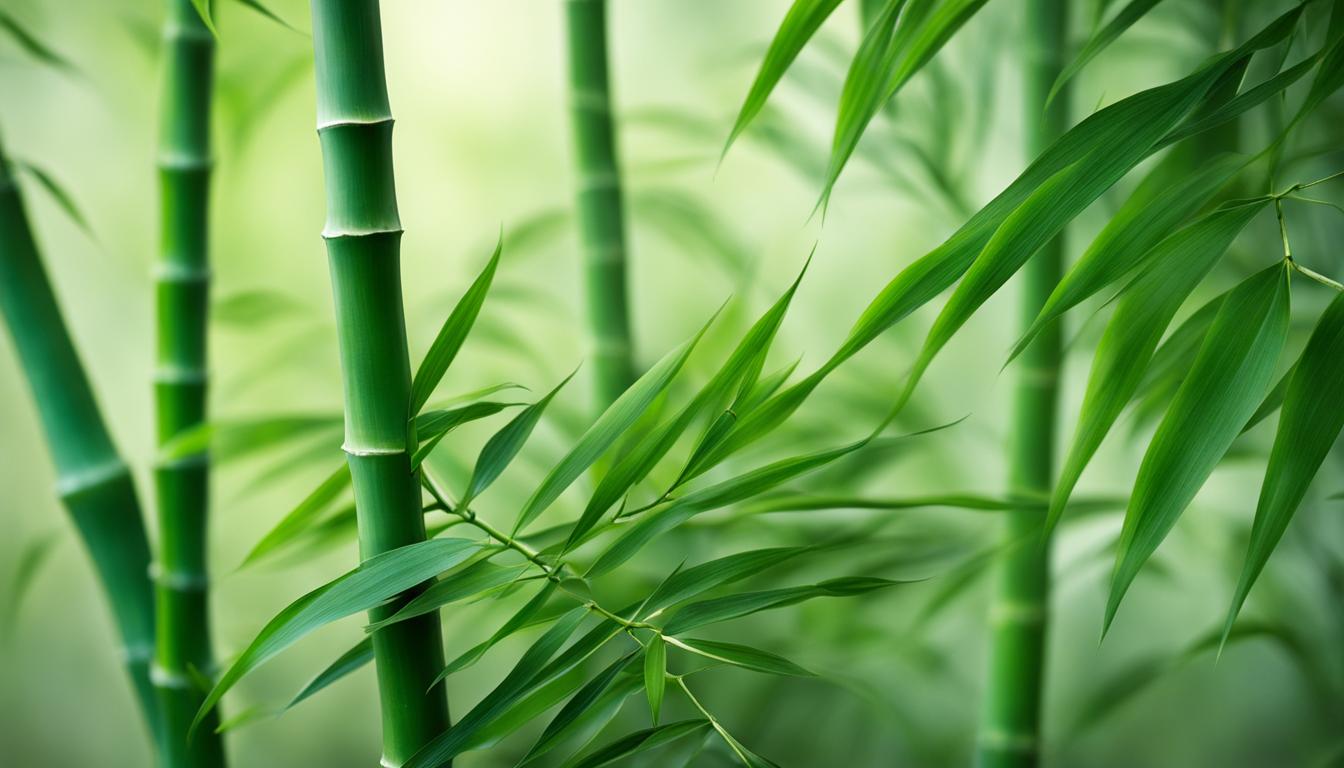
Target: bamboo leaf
{"type": "Point", "coordinates": [525, 710]}
{"type": "Point", "coordinates": [351, 660]}
{"type": "Point", "coordinates": [1144, 311]}
{"type": "Point", "coordinates": [433, 426]}
{"type": "Point", "coordinates": [686, 584]}
{"type": "Point", "coordinates": [1230, 376]}
{"type": "Point", "coordinates": [62, 197]}
{"type": "Point", "coordinates": [613, 422]}
{"type": "Point", "coordinates": [32, 45]}
{"type": "Point", "coordinates": [206, 10]}
{"type": "Point", "coordinates": [1108, 34]}
{"type": "Point", "coordinates": [1160, 203]}
{"type": "Point", "coordinates": [228, 440]}
{"type": "Point", "coordinates": [655, 674]}
{"type": "Point", "coordinates": [1310, 424]}
{"type": "Point", "coordinates": [504, 445]}
{"type": "Point", "coordinates": [302, 517]}
{"type": "Point", "coordinates": [475, 579]}
{"type": "Point", "coordinates": [719, 495]}
{"type": "Point", "coordinates": [29, 563]}
{"type": "Point", "coordinates": [249, 309]}
{"type": "Point", "coordinates": [375, 581]}
{"type": "Point", "coordinates": [453, 333]}
{"type": "Point", "coordinates": [639, 742]}
{"type": "Point", "coordinates": [740, 370]}
{"type": "Point", "coordinates": [801, 22]}
{"type": "Point", "coordinates": [268, 13]}
{"type": "Point", "coordinates": [736, 606]}
{"type": "Point", "coordinates": [602, 695]}
{"type": "Point", "coordinates": [515, 623]}
{"type": "Point", "coordinates": [741, 656]}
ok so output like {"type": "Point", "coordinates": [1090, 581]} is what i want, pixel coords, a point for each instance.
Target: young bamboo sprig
{"type": "Point", "coordinates": [182, 276]}
{"type": "Point", "coordinates": [1010, 728]}
{"type": "Point", "coordinates": [93, 481]}
{"type": "Point", "coordinates": [599, 199]}
{"type": "Point", "coordinates": [363, 237]}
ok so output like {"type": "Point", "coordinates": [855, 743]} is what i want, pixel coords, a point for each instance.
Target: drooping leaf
{"type": "Point", "coordinates": [232, 439]}
{"type": "Point", "coordinates": [609, 427]}
{"type": "Point", "coordinates": [735, 606]}
{"type": "Point", "coordinates": [351, 660]}
{"type": "Point", "coordinates": [58, 193]}
{"type": "Point", "coordinates": [603, 694]}
{"type": "Point", "coordinates": [453, 333]}
{"type": "Point", "coordinates": [28, 564]}
{"type": "Point", "coordinates": [801, 22]}
{"type": "Point", "coordinates": [433, 426]}
{"type": "Point", "coordinates": [504, 445]}
{"type": "Point", "coordinates": [741, 656]}
{"type": "Point", "coordinates": [1230, 375]}
{"type": "Point", "coordinates": [31, 45]}
{"type": "Point", "coordinates": [1144, 311]}
{"type": "Point", "coordinates": [1310, 424]}
{"type": "Point", "coordinates": [375, 581]}
{"type": "Point", "coordinates": [515, 623]}
{"type": "Point", "coordinates": [268, 13]}
{"type": "Point", "coordinates": [1099, 41]}
{"type": "Point", "coordinates": [639, 742]}
{"type": "Point", "coordinates": [302, 517]}
{"type": "Point", "coordinates": [525, 710]}
{"type": "Point", "coordinates": [655, 674]}
{"type": "Point", "coordinates": [685, 584]}
{"type": "Point", "coordinates": [475, 579]}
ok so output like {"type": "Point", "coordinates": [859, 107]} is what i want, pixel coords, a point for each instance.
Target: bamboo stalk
{"type": "Point", "coordinates": [599, 199]}
{"type": "Point", "coordinates": [1010, 733]}
{"type": "Point", "coordinates": [182, 279]}
{"type": "Point", "coordinates": [93, 480]}
{"type": "Point", "coordinates": [363, 237]}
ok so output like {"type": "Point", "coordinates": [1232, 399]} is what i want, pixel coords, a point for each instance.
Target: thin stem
{"type": "Point", "coordinates": [1317, 276]}
{"type": "Point", "coordinates": [713, 721]}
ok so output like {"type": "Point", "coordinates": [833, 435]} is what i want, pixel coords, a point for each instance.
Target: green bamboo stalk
{"type": "Point", "coordinates": [93, 481]}
{"type": "Point", "coordinates": [599, 199]}
{"type": "Point", "coordinates": [1010, 732]}
{"type": "Point", "coordinates": [182, 278]}
{"type": "Point", "coordinates": [363, 237]}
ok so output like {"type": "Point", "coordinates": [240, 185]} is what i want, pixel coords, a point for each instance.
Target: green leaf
{"type": "Point", "coordinates": [302, 517]}
{"type": "Point", "coordinates": [31, 45]}
{"type": "Point", "coordinates": [735, 606]}
{"type": "Point", "coordinates": [504, 445]}
{"type": "Point", "coordinates": [741, 656]}
{"type": "Point", "coordinates": [683, 585]}
{"type": "Point", "coordinates": [375, 581]}
{"type": "Point", "coordinates": [715, 496]}
{"type": "Point", "coordinates": [525, 675]}
{"type": "Point", "coordinates": [515, 623]}
{"type": "Point", "coordinates": [1230, 376]}
{"type": "Point", "coordinates": [741, 368]}
{"type": "Point", "coordinates": [227, 440]}
{"type": "Point", "coordinates": [250, 309]}
{"type": "Point", "coordinates": [62, 197]}
{"type": "Point", "coordinates": [1310, 424]}
{"type": "Point", "coordinates": [801, 22]}
{"type": "Point", "coordinates": [598, 700]}
{"type": "Point", "coordinates": [475, 579]}
{"type": "Point", "coordinates": [525, 710]}
{"type": "Point", "coordinates": [1198, 123]}
{"type": "Point", "coordinates": [626, 747]}
{"type": "Point", "coordinates": [29, 562]}
{"type": "Point", "coordinates": [1168, 195]}
{"type": "Point", "coordinates": [453, 333]}
{"type": "Point", "coordinates": [268, 13]}
{"type": "Point", "coordinates": [351, 660]}
{"type": "Point", "coordinates": [1145, 309]}
{"type": "Point", "coordinates": [1122, 21]}
{"type": "Point", "coordinates": [433, 426]}
{"type": "Point", "coordinates": [206, 10]}
{"type": "Point", "coordinates": [613, 422]}
{"type": "Point", "coordinates": [655, 674]}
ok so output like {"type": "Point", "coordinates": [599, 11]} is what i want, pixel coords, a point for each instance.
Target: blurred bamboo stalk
{"type": "Point", "coordinates": [93, 480]}
{"type": "Point", "coordinates": [363, 237]}
{"type": "Point", "coordinates": [182, 301]}
{"type": "Point", "coordinates": [1010, 728]}
{"type": "Point", "coordinates": [599, 199]}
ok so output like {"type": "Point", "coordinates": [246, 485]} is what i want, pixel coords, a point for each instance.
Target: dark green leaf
{"type": "Point", "coordinates": [741, 656]}
{"type": "Point", "coordinates": [1122, 21]}
{"type": "Point", "coordinates": [735, 606]}
{"type": "Point", "coordinates": [433, 426]}
{"type": "Point", "coordinates": [639, 742]}
{"type": "Point", "coordinates": [599, 700]}
{"type": "Point", "coordinates": [475, 579]}
{"type": "Point", "coordinates": [655, 674]}
{"type": "Point", "coordinates": [351, 660]}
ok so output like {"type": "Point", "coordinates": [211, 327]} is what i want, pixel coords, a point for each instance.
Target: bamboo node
{"type": "Point", "coordinates": [597, 182]}
{"type": "Point", "coordinates": [338, 233]}
{"type": "Point", "coordinates": [1017, 613]}
{"type": "Point", "coordinates": [91, 478]}
{"type": "Point", "coordinates": [371, 451]}
{"type": "Point", "coordinates": [353, 122]}
{"type": "Point", "coordinates": [1005, 741]}
{"type": "Point", "coordinates": [178, 581]}
{"type": "Point", "coordinates": [590, 100]}
{"type": "Point", "coordinates": [163, 678]}
{"type": "Point", "coordinates": [179, 374]}
{"type": "Point", "coordinates": [610, 253]}
{"type": "Point", "coordinates": [136, 653]}
{"type": "Point", "coordinates": [174, 272]}
{"type": "Point", "coordinates": [186, 162]}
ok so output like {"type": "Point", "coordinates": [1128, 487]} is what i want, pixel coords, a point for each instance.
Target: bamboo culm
{"type": "Point", "coordinates": [599, 201]}
{"type": "Point", "coordinates": [182, 280]}
{"type": "Point", "coordinates": [93, 480]}
{"type": "Point", "coordinates": [1010, 728]}
{"type": "Point", "coordinates": [363, 238]}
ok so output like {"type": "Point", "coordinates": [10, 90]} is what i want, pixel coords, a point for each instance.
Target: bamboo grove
{"type": "Point", "coordinates": [730, 551]}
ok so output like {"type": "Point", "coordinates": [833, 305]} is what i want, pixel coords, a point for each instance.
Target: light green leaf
{"type": "Point", "coordinates": [1310, 424]}
{"type": "Point", "coordinates": [453, 333]}
{"type": "Point", "coordinates": [741, 656]}
{"type": "Point", "coordinates": [31, 45]}
{"type": "Point", "coordinates": [232, 439]}
{"type": "Point", "coordinates": [1145, 309]}
{"type": "Point", "coordinates": [655, 674]}
{"type": "Point", "coordinates": [607, 429]}
{"type": "Point", "coordinates": [735, 606]}
{"type": "Point", "coordinates": [1230, 376]}
{"type": "Point", "coordinates": [302, 517]}
{"type": "Point", "coordinates": [351, 660]}
{"type": "Point", "coordinates": [800, 24]}
{"type": "Point", "coordinates": [375, 581]}
{"type": "Point", "coordinates": [1103, 37]}
{"type": "Point", "coordinates": [62, 197]}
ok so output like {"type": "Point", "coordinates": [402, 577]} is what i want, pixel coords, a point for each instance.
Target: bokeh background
{"type": "Point", "coordinates": [482, 141]}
